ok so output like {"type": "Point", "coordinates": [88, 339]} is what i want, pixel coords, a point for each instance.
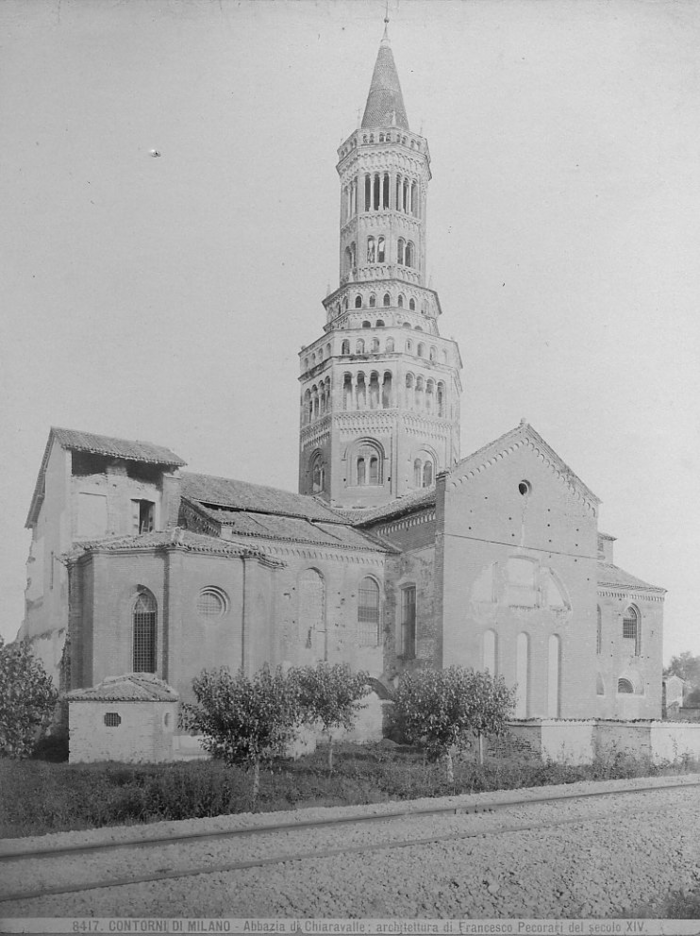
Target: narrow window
{"type": "Point", "coordinates": [372, 301]}
{"type": "Point", "coordinates": [374, 387]}
{"type": "Point", "coordinates": [400, 301]}
{"type": "Point", "coordinates": [358, 302]}
{"type": "Point", "coordinates": [599, 633]}
{"type": "Point", "coordinates": [380, 250]}
{"type": "Point", "coordinates": [376, 191]}
{"type": "Point", "coordinates": [386, 386]}
{"type": "Point", "coordinates": [144, 515]}
{"type": "Point", "coordinates": [408, 622]}
{"type": "Point", "coordinates": [374, 470]}
{"type": "Point", "coordinates": [427, 474]}
{"type": "Point", "coordinates": [368, 192]}
{"type": "Point", "coordinates": [385, 190]}
{"type": "Point", "coordinates": [630, 628]}
{"type": "Point", "coordinates": [347, 391]}
{"type": "Point", "coordinates": [360, 346]}
{"type": "Point", "coordinates": [417, 473]}
{"type": "Point", "coordinates": [386, 300]}
{"type": "Point", "coordinates": [371, 250]}
{"type": "Point", "coordinates": [345, 347]}
{"type": "Point", "coordinates": [368, 632]}
{"type": "Point", "coordinates": [390, 345]}
{"type": "Point", "coordinates": [400, 250]}
{"type": "Point", "coordinates": [441, 399]}
{"type": "Point", "coordinates": [410, 251]}
{"type": "Point", "coordinates": [361, 471]}
{"type": "Point", "coordinates": [361, 391]}
{"type": "Point", "coordinates": [144, 633]}
{"type": "Point", "coordinates": [412, 305]}
{"type": "Point", "coordinates": [374, 346]}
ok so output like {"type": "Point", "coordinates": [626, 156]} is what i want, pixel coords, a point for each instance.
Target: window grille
{"type": "Point", "coordinates": [408, 622]}
{"type": "Point", "coordinates": [144, 625]}
{"type": "Point", "coordinates": [630, 628]}
{"type": "Point", "coordinates": [368, 613]}
{"type": "Point", "coordinates": [212, 602]}
{"type": "Point", "coordinates": [113, 719]}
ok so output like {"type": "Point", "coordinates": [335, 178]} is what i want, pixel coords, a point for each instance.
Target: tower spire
{"type": "Point", "coordinates": [385, 107]}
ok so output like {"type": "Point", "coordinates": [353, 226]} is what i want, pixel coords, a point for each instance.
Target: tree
{"type": "Point", "coordinates": [330, 694]}
{"type": "Point", "coordinates": [27, 699]}
{"type": "Point", "coordinates": [686, 666]}
{"type": "Point", "coordinates": [244, 721]}
{"type": "Point", "coordinates": [446, 709]}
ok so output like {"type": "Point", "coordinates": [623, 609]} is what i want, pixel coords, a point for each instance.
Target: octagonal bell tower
{"type": "Point", "coordinates": [380, 388]}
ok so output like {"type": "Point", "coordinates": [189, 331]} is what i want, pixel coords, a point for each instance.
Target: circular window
{"type": "Point", "coordinates": [525, 487]}
{"type": "Point", "coordinates": [212, 602]}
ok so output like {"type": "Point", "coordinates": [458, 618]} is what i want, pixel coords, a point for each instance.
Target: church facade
{"type": "Point", "coordinates": [395, 554]}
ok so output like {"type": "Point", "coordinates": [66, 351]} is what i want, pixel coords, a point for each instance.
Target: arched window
{"type": "Point", "coordinates": [366, 324]}
{"type": "Point", "coordinates": [441, 399]}
{"type": "Point", "coordinates": [412, 305]}
{"type": "Point", "coordinates": [345, 347]}
{"type": "Point", "coordinates": [400, 301]}
{"type": "Point", "coordinates": [421, 349]}
{"type": "Point", "coordinates": [389, 345]}
{"type": "Point", "coordinates": [433, 353]}
{"type": "Point", "coordinates": [379, 323]}
{"type": "Point", "coordinates": [144, 615]}
{"type": "Point", "coordinates": [368, 631]}
{"type": "Point", "coordinates": [306, 408]}
{"type": "Point", "coordinates": [374, 347]}
{"type": "Point", "coordinates": [368, 464]}
{"type": "Point", "coordinates": [358, 302]}
{"type": "Point", "coordinates": [348, 260]}
{"type": "Point", "coordinates": [360, 346]}
{"type": "Point", "coordinates": [409, 347]}
{"type": "Point", "coordinates": [599, 632]}
{"type": "Point", "coordinates": [417, 473]}
{"type": "Point", "coordinates": [347, 391]}
{"type": "Point", "coordinates": [387, 300]}
{"type": "Point", "coordinates": [427, 474]}
{"type": "Point", "coordinates": [318, 474]}
{"type": "Point", "coordinates": [400, 250]}
{"type": "Point", "coordinates": [386, 390]}
{"type": "Point", "coordinates": [381, 248]}
{"type": "Point", "coordinates": [371, 249]}
{"type": "Point", "coordinates": [372, 301]}
{"type": "Point", "coordinates": [631, 629]}
{"type": "Point", "coordinates": [410, 254]}
{"type": "Point", "coordinates": [625, 686]}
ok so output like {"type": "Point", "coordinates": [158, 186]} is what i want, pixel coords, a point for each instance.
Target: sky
{"type": "Point", "coordinates": [166, 298]}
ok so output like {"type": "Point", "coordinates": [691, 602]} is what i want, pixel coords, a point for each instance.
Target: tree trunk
{"type": "Point", "coordinates": [481, 749]}
{"type": "Point", "coordinates": [449, 767]}
{"type": "Point", "coordinates": [256, 783]}
{"type": "Point", "coordinates": [330, 753]}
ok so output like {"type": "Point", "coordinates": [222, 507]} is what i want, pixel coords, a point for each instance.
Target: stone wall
{"type": "Point", "coordinates": [121, 731]}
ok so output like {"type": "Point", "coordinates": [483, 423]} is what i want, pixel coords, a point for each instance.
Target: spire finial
{"type": "Point", "coordinates": [386, 21]}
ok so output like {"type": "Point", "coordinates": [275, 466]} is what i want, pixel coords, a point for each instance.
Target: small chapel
{"type": "Point", "coordinates": [396, 552]}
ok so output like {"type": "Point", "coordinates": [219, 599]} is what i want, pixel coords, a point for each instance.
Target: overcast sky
{"type": "Point", "coordinates": [167, 298]}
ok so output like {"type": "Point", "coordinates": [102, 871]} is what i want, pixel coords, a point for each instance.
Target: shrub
{"type": "Point", "coordinates": [331, 695]}
{"type": "Point", "coordinates": [244, 721]}
{"type": "Point", "coordinates": [27, 699]}
{"type": "Point", "coordinates": [446, 709]}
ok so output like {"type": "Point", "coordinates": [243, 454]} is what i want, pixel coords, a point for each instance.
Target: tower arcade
{"type": "Point", "coordinates": [380, 388]}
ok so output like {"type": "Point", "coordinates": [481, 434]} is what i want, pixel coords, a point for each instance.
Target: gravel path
{"type": "Point", "coordinates": [613, 855]}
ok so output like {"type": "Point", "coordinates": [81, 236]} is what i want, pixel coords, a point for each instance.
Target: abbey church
{"type": "Point", "coordinates": [396, 553]}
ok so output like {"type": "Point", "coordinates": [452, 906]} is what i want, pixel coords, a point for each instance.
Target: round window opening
{"type": "Point", "coordinates": [525, 487]}
{"type": "Point", "coordinates": [212, 602]}
{"type": "Point", "coordinates": [113, 719]}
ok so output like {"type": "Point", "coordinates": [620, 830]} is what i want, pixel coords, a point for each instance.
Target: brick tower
{"type": "Point", "coordinates": [380, 388]}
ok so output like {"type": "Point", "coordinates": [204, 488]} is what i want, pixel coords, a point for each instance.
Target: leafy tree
{"type": "Point", "coordinates": [331, 695]}
{"type": "Point", "coordinates": [244, 721]}
{"type": "Point", "coordinates": [446, 709]}
{"type": "Point", "coordinates": [686, 666]}
{"type": "Point", "coordinates": [27, 699]}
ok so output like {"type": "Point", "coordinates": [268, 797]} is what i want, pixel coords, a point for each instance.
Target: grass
{"type": "Point", "coordinates": [41, 796]}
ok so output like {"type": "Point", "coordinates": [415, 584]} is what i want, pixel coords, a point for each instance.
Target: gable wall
{"type": "Point", "coordinates": [553, 534]}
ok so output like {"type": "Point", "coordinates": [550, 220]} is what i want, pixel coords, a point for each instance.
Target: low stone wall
{"type": "Point", "coordinates": [580, 742]}
{"type": "Point", "coordinates": [121, 731]}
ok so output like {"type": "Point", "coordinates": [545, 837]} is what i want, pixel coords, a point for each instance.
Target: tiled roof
{"type": "Point", "coordinates": [194, 542]}
{"type": "Point", "coordinates": [118, 448]}
{"type": "Point", "coordinates": [385, 107]}
{"type": "Point", "coordinates": [131, 687]}
{"type": "Point", "coordinates": [612, 575]}
{"type": "Point", "coordinates": [76, 441]}
{"type": "Point", "coordinates": [417, 500]}
{"type": "Point", "coordinates": [241, 495]}
{"type": "Point", "coordinates": [293, 529]}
